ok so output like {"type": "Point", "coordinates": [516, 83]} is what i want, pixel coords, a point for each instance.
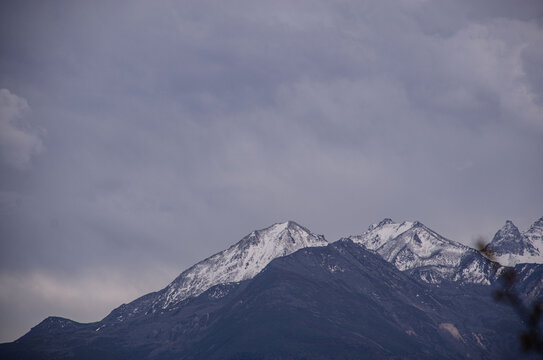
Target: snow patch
{"type": "Point", "coordinates": [451, 329]}
{"type": "Point", "coordinates": [479, 338]}
{"type": "Point", "coordinates": [335, 268]}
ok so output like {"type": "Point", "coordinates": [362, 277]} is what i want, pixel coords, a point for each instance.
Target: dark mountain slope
{"type": "Point", "coordinates": [344, 302]}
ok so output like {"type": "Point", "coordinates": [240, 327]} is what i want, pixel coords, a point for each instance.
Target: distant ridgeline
{"type": "Point", "coordinates": [399, 290]}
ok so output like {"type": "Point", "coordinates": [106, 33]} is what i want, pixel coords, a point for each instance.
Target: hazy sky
{"type": "Point", "coordinates": [140, 137]}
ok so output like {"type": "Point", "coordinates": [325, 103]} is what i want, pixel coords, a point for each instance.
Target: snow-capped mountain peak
{"type": "Point", "coordinates": [241, 261]}
{"type": "Point", "coordinates": [509, 230]}
{"type": "Point", "coordinates": [535, 236]}
{"type": "Point", "coordinates": [286, 233]}
{"type": "Point", "coordinates": [384, 222]}
{"type": "Point", "coordinates": [535, 232]}
{"type": "Point", "coordinates": [411, 246]}
{"type": "Point", "coordinates": [378, 234]}
{"type": "Point", "coordinates": [510, 247]}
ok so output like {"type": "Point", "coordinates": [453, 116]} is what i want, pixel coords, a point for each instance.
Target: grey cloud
{"type": "Point", "coordinates": [19, 141]}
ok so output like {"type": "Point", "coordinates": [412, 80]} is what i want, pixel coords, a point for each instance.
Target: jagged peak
{"type": "Point", "coordinates": [391, 227]}
{"type": "Point", "coordinates": [241, 261]}
{"type": "Point", "coordinates": [292, 225]}
{"type": "Point", "coordinates": [537, 225]}
{"type": "Point", "coordinates": [418, 224]}
{"type": "Point", "coordinates": [276, 228]}
{"type": "Point", "coordinates": [395, 235]}
{"type": "Point", "coordinates": [395, 229]}
{"type": "Point", "coordinates": [384, 222]}
{"type": "Point", "coordinates": [510, 246]}
{"type": "Point", "coordinates": [412, 245]}
{"type": "Point", "coordinates": [292, 228]}
{"type": "Point", "coordinates": [509, 225]}
{"type": "Point", "coordinates": [280, 226]}
{"type": "Point", "coordinates": [508, 230]}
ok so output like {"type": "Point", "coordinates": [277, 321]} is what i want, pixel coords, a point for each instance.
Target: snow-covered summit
{"type": "Point", "coordinates": [509, 240]}
{"type": "Point", "coordinates": [535, 234]}
{"type": "Point", "coordinates": [387, 235]}
{"type": "Point", "coordinates": [382, 223]}
{"type": "Point", "coordinates": [510, 247]}
{"type": "Point", "coordinates": [241, 261]}
{"type": "Point", "coordinates": [411, 246]}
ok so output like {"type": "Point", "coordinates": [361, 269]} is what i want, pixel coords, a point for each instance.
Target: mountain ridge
{"type": "Point", "coordinates": [339, 301]}
{"type": "Point", "coordinates": [412, 246]}
{"type": "Point", "coordinates": [241, 261]}
{"type": "Point", "coordinates": [510, 247]}
{"type": "Point", "coordinates": [289, 291]}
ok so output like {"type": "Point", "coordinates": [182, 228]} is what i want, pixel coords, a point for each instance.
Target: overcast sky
{"type": "Point", "coordinates": [139, 138]}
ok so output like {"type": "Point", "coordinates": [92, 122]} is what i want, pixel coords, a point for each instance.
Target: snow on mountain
{"type": "Point", "coordinates": [510, 247]}
{"type": "Point", "coordinates": [339, 301]}
{"type": "Point", "coordinates": [535, 234]}
{"type": "Point", "coordinates": [413, 247]}
{"type": "Point", "coordinates": [410, 246]}
{"type": "Point", "coordinates": [241, 261]}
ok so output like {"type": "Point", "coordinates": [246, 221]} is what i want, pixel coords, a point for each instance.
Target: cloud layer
{"type": "Point", "coordinates": [18, 141]}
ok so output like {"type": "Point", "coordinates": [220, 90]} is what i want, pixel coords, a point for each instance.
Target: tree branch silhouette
{"type": "Point", "coordinates": [531, 337]}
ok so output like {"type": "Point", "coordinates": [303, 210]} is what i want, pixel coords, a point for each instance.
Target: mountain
{"type": "Point", "coordinates": [413, 247]}
{"type": "Point", "coordinates": [510, 247]}
{"type": "Point", "coordinates": [340, 301]}
{"type": "Point", "coordinates": [241, 261]}
{"type": "Point", "coordinates": [398, 291]}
